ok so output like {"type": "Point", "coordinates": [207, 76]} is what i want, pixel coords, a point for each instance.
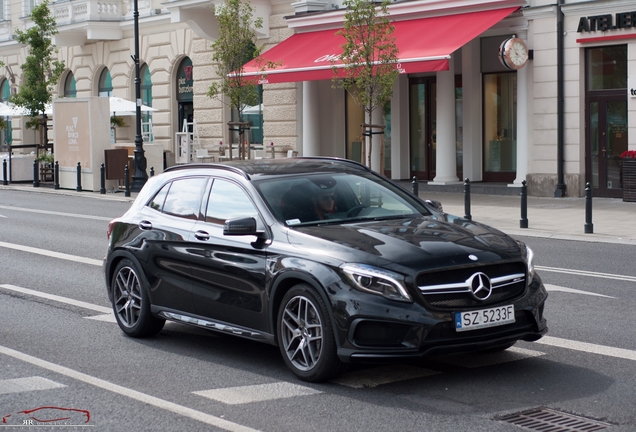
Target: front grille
{"type": "Point", "coordinates": [450, 289]}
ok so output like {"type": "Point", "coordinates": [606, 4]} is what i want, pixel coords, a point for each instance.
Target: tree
{"type": "Point", "coordinates": [40, 71]}
{"type": "Point", "coordinates": [234, 47]}
{"type": "Point", "coordinates": [369, 58]}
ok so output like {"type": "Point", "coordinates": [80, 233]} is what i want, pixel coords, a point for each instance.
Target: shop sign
{"type": "Point", "coordinates": [185, 81]}
{"type": "Point", "coordinates": [621, 20]}
{"type": "Point", "coordinates": [631, 86]}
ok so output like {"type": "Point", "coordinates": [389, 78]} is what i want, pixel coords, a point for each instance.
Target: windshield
{"type": "Point", "coordinates": [336, 198]}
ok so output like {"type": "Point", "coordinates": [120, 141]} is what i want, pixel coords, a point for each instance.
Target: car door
{"type": "Point", "coordinates": [228, 272]}
{"type": "Point", "coordinates": [167, 223]}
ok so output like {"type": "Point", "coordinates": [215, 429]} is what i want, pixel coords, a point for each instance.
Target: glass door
{"type": "Point", "coordinates": [607, 139]}
{"type": "Point", "coordinates": [423, 122]}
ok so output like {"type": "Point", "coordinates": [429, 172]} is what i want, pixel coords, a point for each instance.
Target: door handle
{"type": "Point", "coordinates": [145, 225]}
{"type": "Point", "coordinates": [202, 235]}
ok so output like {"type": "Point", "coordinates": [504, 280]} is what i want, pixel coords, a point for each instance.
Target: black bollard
{"type": "Point", "coordinates": [36, 175]}
{"type": "Point", "coordinates": [467, 214]}
{"type": "Point", "coordinates": [126, 182]}
{"type": "Point", "coordinates": [5, 181]}
{"type": "Point", "coordinates": [102, 179]}
{"type": "Point", "coordinates": [523, 222]}
{"type": "Point", "coordinates": [589, 226]}
{"type": "Point", "coordinates": [79, 177]}
{"type": "Point", "coordinates": [414, 187]}
{"type": "Point", "coordinates": [152, 171]}
{"type": "Point", "coordinates": [56, 175]}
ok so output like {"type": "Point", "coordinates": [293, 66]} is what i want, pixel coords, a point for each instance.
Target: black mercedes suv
{"type": "Point", "coordinates": [322, 257]}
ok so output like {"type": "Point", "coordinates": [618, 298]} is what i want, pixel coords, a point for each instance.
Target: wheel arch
{"type": "Point", "coordinates": [287, 281]}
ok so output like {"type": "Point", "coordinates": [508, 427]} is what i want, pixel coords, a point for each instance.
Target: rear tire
{"type": "Point", "coordinates": [305, 335]}
{"type": "Point", "coordinates": [131, 304]}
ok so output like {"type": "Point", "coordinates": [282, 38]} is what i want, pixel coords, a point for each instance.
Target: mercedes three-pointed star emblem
{"type": "Point", "coordinates": [480, 286]}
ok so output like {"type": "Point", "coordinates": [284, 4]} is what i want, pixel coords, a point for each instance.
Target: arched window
{"type": "Point", "coordinates": [105, 84]}
{"type": "Point", "coordinates": [146, 99]}
{"type": "Point", "coordinates": [69, 86]}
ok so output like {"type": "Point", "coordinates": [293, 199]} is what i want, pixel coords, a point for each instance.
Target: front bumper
{"type": "Point", "coordinates": [393, 334]}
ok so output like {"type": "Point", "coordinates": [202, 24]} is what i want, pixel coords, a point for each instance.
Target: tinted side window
{"type": "Point", "coordinates": [157, 202]}
{"type": "Point", "coordinates": [228, 201]}
{"type": "Point", "coordinates": [184, 197]}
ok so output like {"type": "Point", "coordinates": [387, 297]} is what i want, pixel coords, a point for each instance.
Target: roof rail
{"type": "Point", "coordinates": [349, 161]}
{"type": "Point", "coordinates": [208, 165]}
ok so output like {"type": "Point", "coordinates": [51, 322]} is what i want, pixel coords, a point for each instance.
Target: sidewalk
{"type": "Point", "coordinates": [614, 221]}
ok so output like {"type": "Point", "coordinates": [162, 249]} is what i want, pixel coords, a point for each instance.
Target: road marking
{"type": "Point", "coordinates": [477, 360]}
{"type": "Point", "coordinates": [369, 378]}
{"type": "Point", "coordinates": [124, 391]}
{"type": "Point", "coordinates": [588, 347]}
{"type": "Point", "coordinates": [23, 209]}
{"type": "Point", "coordinates": [51, 254]}
{"type": "Point", "coordinates": [101, 309]}
{"type": "Point", "coordinates": [3, 216]}
{"type": "Point", "coordinates": [550, 287]}
{"type": "Point", "coordinates": [19, 385]}
{"type": "Point", "coordinates": [587, 273]}
{"type": "Point", "coordinates": [257, 393]}
{"type": "Point", "coordinates": [109, 317]}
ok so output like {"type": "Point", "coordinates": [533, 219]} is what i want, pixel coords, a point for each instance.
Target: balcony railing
{"type": "Point", "coordinates": [67, 12]}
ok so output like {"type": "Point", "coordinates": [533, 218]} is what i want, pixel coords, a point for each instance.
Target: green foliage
{"type": "Point", "coordinates": [232, 49]}
{"type": "Point", "coordinates": [117, 121]}
{"type": "Point", "coordinates": [369, 55]}
{"type": "Point", "coordinates": [40, 70]}
{"type": "Point", "coordinates": [46, 157]}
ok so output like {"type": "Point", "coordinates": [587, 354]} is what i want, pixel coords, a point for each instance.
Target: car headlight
{"type": "Point", "coordinates": [529, 255]}
{"type": "Point", "coordinates": [378, 281]}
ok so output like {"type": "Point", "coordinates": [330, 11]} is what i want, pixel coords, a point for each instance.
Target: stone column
{"type": "Point", "coordinates": [446, 165]}
{"type": "Point", "coordinates": [311, 127]}
{"type": "Point", "coordinates": [522, 125]}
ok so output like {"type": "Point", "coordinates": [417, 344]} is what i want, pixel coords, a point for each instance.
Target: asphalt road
{"type": "Point", "coordinates": [60, 348]}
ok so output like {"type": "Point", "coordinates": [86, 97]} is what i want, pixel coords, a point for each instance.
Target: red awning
{"type": "Point", "coordinates": [424, 45]}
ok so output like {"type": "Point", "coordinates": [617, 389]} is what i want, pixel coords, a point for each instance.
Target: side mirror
{"type": "Point", "coordinates": [435, 204]}
{"type": "Point", "coordinates": [240, 226]}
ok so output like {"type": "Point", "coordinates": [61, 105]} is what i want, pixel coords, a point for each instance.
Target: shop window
{"type": "Point", "coordinates": [69, 86]}
{"type": "Point", "coordinates": [500, 122]}
{"type": "Point", "coordinates": [607, 67]}
{"type": "Point", "coordinates": [254, 115]}
{"type": "Point", "coordinates": [6, 133]}
{"type": "Point", "coordinates": [105, 84]}
{"type": "Point", "coordinates": [354, 118]}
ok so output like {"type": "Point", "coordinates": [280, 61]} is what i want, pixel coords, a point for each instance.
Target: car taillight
{"type": "Point", "coordinates": [109, 230]}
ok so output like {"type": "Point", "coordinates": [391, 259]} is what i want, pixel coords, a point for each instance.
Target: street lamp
{"type": "Point", "coordinates": [139, 176]}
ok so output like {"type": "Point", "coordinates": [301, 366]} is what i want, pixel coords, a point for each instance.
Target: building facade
{"type": "Point", "coordinates": [458, 111]}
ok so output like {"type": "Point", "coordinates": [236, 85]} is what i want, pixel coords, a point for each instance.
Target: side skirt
{"type": "Point", "coordinates": [209, 324]}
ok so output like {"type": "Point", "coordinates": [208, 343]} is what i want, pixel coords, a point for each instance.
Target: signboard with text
{"type": "Point", "coordinates": [72, 135]}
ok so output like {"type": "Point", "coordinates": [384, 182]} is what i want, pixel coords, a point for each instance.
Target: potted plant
{"type": "Point", "coordinates": [115, 122]}
{"type": "Point", "coordinates": [628, 173]}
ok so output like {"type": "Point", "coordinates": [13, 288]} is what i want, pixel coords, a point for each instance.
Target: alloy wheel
{"type": "Point", "coordinates": [302, 333]}
{"type": "Point", "coordinates": [127, 295]}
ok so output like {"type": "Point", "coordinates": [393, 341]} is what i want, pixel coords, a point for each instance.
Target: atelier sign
{"type": "Point", "coordinates": [607, 22]}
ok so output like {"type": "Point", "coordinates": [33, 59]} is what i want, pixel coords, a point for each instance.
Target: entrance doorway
{"type": "Point", "coordinates": [606, 122]}
{"type": "Point", "coordinates": [423, 123]}
{"type": "Point", "coordinates": [606, 140]}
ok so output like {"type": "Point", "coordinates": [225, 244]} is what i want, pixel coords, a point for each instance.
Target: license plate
{"type": "Point", "coordinates": [482, 318]}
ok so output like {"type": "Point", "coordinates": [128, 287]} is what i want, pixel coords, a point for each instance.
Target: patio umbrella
{"type": "Point", "coordinates": [123, 107]}
{"type": "Point", "coordinates": [13, 110]}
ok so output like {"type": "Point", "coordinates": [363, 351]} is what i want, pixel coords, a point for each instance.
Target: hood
{"type": "Point", "coordinates": [425, 242]}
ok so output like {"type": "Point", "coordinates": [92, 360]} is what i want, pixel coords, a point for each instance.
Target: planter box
{"type": "Point", "coordinates": [629, 180]}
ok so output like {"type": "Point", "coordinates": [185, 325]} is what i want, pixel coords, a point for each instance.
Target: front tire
{"type": "Point", "coordinates": [131, 304]}
{"type": "Point", "coordinates": [305, 335]}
